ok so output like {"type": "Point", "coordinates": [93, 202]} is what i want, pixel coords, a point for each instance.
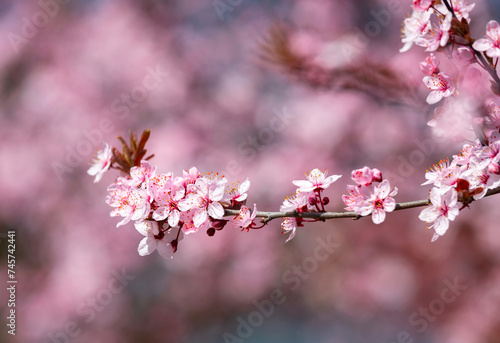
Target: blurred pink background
{"type": "Point", "coordinates": [189, 71]}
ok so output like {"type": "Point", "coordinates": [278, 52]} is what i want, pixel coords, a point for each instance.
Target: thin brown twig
{"type": "Point", "coordinates": [268, 216]}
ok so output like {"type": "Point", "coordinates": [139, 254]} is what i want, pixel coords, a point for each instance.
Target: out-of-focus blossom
{"type": "Point", "coordinates": [463, 55]}
{"type": "Point", "coordinates": [443, 209]}
{"type": "Point", "coordinates": [101, 163]}
{"type": "Point", "coordinates": [453, 118]}
{"type": "Point", "coordinates": [493, 118]}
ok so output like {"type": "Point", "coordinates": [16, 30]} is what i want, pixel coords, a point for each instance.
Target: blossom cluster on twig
{"type": "Point", "coordinates": [165, 207]}
{"type": "Point", "coordinates": [444, 26]}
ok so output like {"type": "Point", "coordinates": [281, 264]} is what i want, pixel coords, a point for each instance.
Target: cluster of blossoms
{"type": "Point", "coordinates": [491, 44]}
{"type": "Point", "coordinates": [165, 207]}
{"type": "Point", "coordinates": [468, 177]}
{"type": "Point", "coordinates": [371, 194]}
{"type": "Point", "coordinates": [433, 24]}
{"type": "Point", "coordinates": [307, 198]}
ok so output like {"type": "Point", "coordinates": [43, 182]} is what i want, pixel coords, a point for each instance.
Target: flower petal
{"type": "Point", "coordinates": [482, 44]}
{"type": "Point", "coordinates": [147, 246]}
{"type": "Point", "coordinates": [378, 215]}
{"type": "Point", "coordinates": [215, 210]}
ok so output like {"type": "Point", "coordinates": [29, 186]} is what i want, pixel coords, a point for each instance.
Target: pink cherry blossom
{"type": "Point", "coordinates": [443, 209]}
{"type": "Point", "coordinates": [238, 194]}
{"type": "Point", "coordinates": [295, 202]}
{"type": "Point", "coordinates": [167, 199]}
{"type": "Point", "coordinates": [355, 198]}
{"type": "Point", "coordinates": [443, 175]}
{"type": "Point", "coordinates": [190, 176]}
{"type": "Point", "coordinates": [128, 202]}
{"type": "Point", "coordinates": [490, 44]}
{"type": "Point", "coordinates": [205, 200]}
{"type": "Point", "coordinates": [479, 177]}
{"type": "Point", "coordinates": [244, 218]}
{"type": "Point", "coordinates": [441, 86]}
{"type": "Point", "coordinates": [438, 35]}
{"type": "Point", "coordinates": [365, 176]}
{"type": "Point", "coordinates": [422, 5]}
{"type": "Point", "coordinates": [414, 27]}
{"type": "Point", "coordinates": [461, 8]}
{"type": "Point", "coordinates": [492, 149]}
{"type": "Point", "coordinates": [101, 163]}
{"type": "Point", "coordinates": [159, 182]}
{"type": "Point", "coordinates": [156, 240]}
{"type": "Point", "coordinates": [430, 65]}
{"type": "Point", "coordinates": [189, 226]}
{"type": "Point", "coordinates": [493, 118]}
{"type": "Point", "coordinates": [290, 224]}
{"type": "Point", "coordinates": [466, 155]}
{"type": "Point", "coordinates": [316, 180]}
{"type": "Point", "coordinates": [143, 172]}
{"type": "Point", "coordinates": [379, 202]}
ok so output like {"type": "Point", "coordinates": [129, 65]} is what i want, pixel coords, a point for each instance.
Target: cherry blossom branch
{"type": "Point", "coordinates": [487, 66]}
{"type": "Point", "coordinates": [164, 207]}
{"type": "Point", "coordinates": [322, 216]}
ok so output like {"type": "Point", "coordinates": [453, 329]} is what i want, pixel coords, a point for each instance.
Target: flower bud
{"type": "Point", "coordinates": [174, 244]}
{"type": "Point", "coordinates": [494, 168]}
{"type": "Point", "coordinates": [377, 175]}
